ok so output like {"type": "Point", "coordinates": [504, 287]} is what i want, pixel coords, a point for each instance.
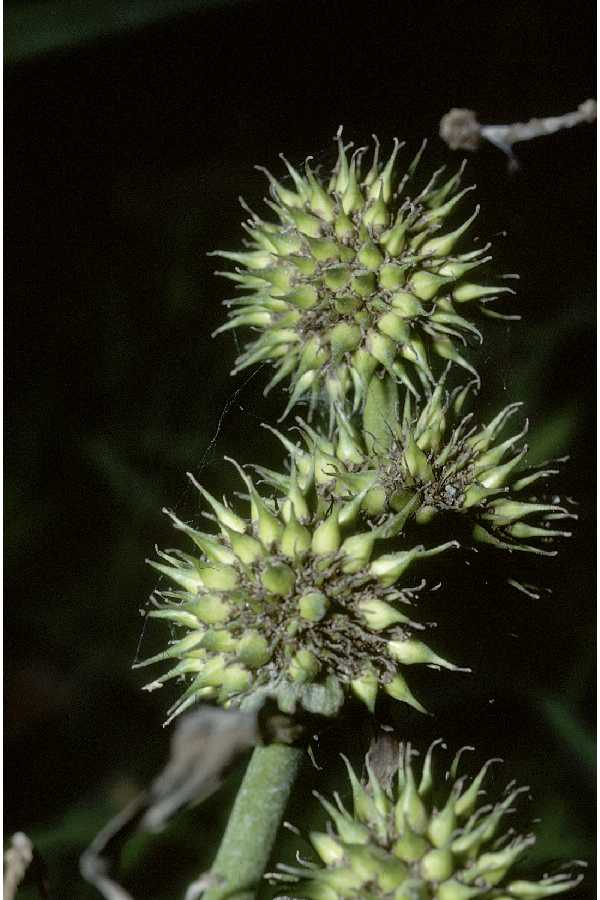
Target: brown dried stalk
{"type": "Point", "coordinates": [460, 129]}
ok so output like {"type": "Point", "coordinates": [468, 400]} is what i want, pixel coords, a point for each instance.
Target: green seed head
{"type": "Point", "coordinates": [427, 838]}
{"type": "Point", "coordinates": [430, 459]}
{"type": "Point", "coordinates": [356, 278]}
{"type": "Point", "coordinates": [292, 603]}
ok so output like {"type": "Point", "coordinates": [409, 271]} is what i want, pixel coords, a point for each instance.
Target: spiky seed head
{"type": "Point", "coordinates": [429, 458]}
{"type": "Point", "coordinates": [422, 837]}
{"type": "Point", "coordinates": [283, 604]}
{"type": "Point", "coordinates": [356, 278]}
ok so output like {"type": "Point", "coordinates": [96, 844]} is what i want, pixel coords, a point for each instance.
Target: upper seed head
{"type": "Point", "coordinates": [355, 267]}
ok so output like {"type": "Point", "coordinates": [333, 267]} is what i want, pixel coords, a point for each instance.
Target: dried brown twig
{"type": "Point", "coordinates": [460, 129]}
{"type": "Point", "coordinates": [16, 862]}
{"type": "Point", "coordinates": [19, 858]}
{"type": "Point", "coordinates": [204, 747]}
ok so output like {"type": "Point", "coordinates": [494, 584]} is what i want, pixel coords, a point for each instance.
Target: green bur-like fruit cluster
{"type": "Point", "coordinates": [356, 278]}
{"type": "Point", "coordinates": [422, 840]}
{"type": "Point", "coordinates": [305, 599]}
{"type": "Point", "coordinates": [294, 602]}
{"type": "Point", "coordinates": [431, 460]}
{"type": "Point", "coordinates": [309, 597]}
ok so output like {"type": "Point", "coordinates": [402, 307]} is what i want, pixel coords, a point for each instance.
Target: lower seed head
{"type": "Point", "coordinates": [396, 857]}
{"type": "Point", "coordinates": [306, 607]}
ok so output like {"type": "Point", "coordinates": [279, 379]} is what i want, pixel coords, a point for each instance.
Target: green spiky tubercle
{"type": "Point", "coordinates": [356, 278]}
{"type": "Point", "coordinates": [425, 839]}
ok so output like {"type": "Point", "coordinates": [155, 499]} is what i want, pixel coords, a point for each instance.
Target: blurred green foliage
{"type": "Point", "coordinates": [31, 29]}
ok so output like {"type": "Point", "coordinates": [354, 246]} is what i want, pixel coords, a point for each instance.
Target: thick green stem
{"type": "Point", "coordinates": [254, 822]}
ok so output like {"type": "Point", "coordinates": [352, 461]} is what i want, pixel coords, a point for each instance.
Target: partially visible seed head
{"type": "Point", "coordinates": [425, 837]}
{"type": "Point", "coordinates": [430, 458]}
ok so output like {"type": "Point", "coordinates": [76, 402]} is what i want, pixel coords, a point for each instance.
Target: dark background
{"type": "Point", "coordinates": [124, 156]}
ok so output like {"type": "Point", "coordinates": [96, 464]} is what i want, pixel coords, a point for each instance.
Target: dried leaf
{"type": "Point", "coordinates": [204, 746]}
